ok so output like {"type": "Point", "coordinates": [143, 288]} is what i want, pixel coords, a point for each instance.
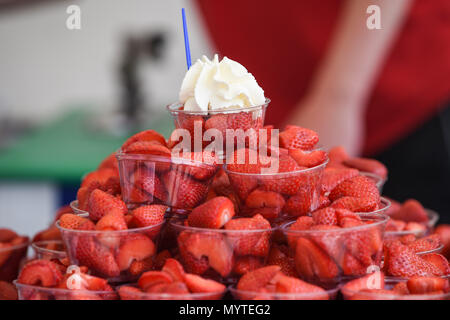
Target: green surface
{"type": "Point", "coordinates": [65, 149]}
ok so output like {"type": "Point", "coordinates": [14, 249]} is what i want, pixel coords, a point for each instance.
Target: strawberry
{"type": "Point", "coordinates": [214, 247]}
{"type": "Point", "coordinates": [401, 261]}
{"type": "Point", "coordinates": [212, 214]}
{"type": "Point", "coordinates": [134, 247]}
{"type": "Point", "coordinates": [302, 223]}
{"type": "Point", "coordinates": [242, 185]}
{"type": "Point", "coordinates": [359, 186]}
{"type": "Point", "coordinates": [192, 264]}
{"type": "Point", "coordinates": [258, 199]}
{"type": "Point", "coordinates": [245, 264]}
{"type": "Point", "coordinates": [174, 269]}
{"type": "Point", "coordinates": [7, 235]}
{"type": "Point", "coordinates": [300, 204]}
{"type": "Point", "coordinates": [295, 137]}
{"type": "Point", "coordinates": [189, 122]}
{"type": "Point", "coordinates": [355, 204]}
{"type": "Point", "coordinates": [150, 215]}
{"type": "Point", "coordinates": [246, 160]}
{"type": "Point", "coordinates": [100, 203]}
{"type": "Point", "coordinates": [269, 213]}
{"type": "Point", "coordinates": [424, 285]}
{"type": "Point", "coordinates": [197, 284]}
{"type": "Point", "coordinates": [308, 159]}
{"type": "Point", "coordinates": [363, 243]}
{"type": "Point", "coordinates": [337, 154]}
{"type": "Point", "coordinates": [257, 279]}
{"type": "Point", "coordinates": [325, 216]}
{"type": "Point", "coordinates": [401, 288]}
{"type": "Point", "coordinates": [352, 266]}
{"type": "Point", "coordinates": [411, 211]}
{"type": "Point", "coordinates": [98, 177]}
{"type": "Point", "coordinates": [312, 263]}
{"type": "Point", "coordinates": [72, 221]}
{"type": "Point", "coordinates": [147, 135]}
{"type": "Point", "coordinates": [146, 180]}
{"type": "Point", "coordinates": [151, 278]}
{"type": "Point", "coordinates": [183, 191]}
{"type": "Point", "coordinates": [221, 183]}
{"type": "Point", "coordinates": [101, 260]}
{"type": "Point", "coordinates": [395, 225]}
{"type": "Point", "coordinates": [367, 165]}
{"type": "Point", "coordinates": [111, 221]}
{"type": "Point", "coordinates": [218, 122]}
{"type": "Point", "coordinates": [425, 244]}
{"type": "Point", "coordinates": [110, 162]}
{"type": "Point", "coordinates": [201, 165]}
{"type": "Point", "coordinates": [439, 261]}
{"type": "Point", "coordinates": [40, 272]}
{"type": "Point", "coordinates": [281, 259]}
{"type": "Point", "coordinates": [371, 281]}
{"type": "Point", "coordinates": [332, 177]}
{"type": "Point", "coordinates": [160, 259]}
{"type": "Point", "coordinates": [287, 284]}
{"type": "Point", "coordinates": [251, 243]}
{"type": "Point", "coordinates": [342, 214]}
{"type": "Point", "coordinates": [139, 267]}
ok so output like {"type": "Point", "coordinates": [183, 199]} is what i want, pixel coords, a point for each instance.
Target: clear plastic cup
{"type": "Point", "coordinates": [218, 254]}
{"type": "Point", "coordinates": [75, 209]}
{"type": "Point", "coordinates": [30, 292]}
{"type": "Point", "coordinates": [135, 295]}
{"type": "Point", "coordinates": [244, 118]}
{"type": "Point", "coordinates": [179, 183]}
{"type": "Point", "coordinates": [306, 184]}
{"type": "Point", "coordinates": [324, 257]}
{"type": "Point", "coordinates": [109, 254]}
{"type": "Point", "coordinates": [11, 257]}
{"type": "Point", "coordinates": [252, 295]}
{"type": "Point", "coordinates": [49, 249]}
{"type": "Point", "coordinates": [389, 283]}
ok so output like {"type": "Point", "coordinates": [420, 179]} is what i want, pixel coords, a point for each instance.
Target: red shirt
{"type": "Point", "coordinates": [282, 43]}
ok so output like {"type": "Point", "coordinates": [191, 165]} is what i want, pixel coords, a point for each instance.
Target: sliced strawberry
{"type": "Point", "coordinates": [129, 293]}
{"type": "Point", "coordinates": [139, 267]}
{"type": "Point", "coordinates": [359, 186]}
{"type": "Point", "coordinates": [367, 165]}
{"type": "Point", "coordinates": [424, 285]}
{"type": "Point", "coordinates": [249, 243]}
{"type": "Point", "coordinates": [308, 159]}
{"type": "Point", "coordinates": [401, 261]}
{"type": "Point", "coordinates": [245, 264]}
{"type": "Point", "coordinates": [279, 257]}
{"type": "Point", "coordinates": [325, 216]}
{"type": "Point", "coordinates": [160, 259]}
{"type": "Point", "coordinates": [298, 138]}
{"type": "Point", "coordinates": [197, 284]}
{"type": "Point", "coordinates": [355, 204]}
{"type": "Point", "coordinates": [75, 222]}
{"type": "Point", "coordinates": [101, 203]}
{"type": "Point", "coordinates": [184, 192]}
{"type": "Point", "coordinates": [212, 214]}
{"type": "Point", "coordinates": [332, 177]}
{"type": "Point", "coordinates": [425, 244]}
{"type": "Point", "coordinates": [202, 167]}
{"type": "Point", "coordinates": [302, 223]}
{"type": "Point", "coordinates": [371, 281]}
{"type": "Point", "coordinates": [411, 211]}
{"type": "Point", "coordinates": [287, 284]}
{"type": "Point", "coordinates": [337, 154]}
{"type": "Point", "coordinates": [191, 263]}
{"type": "Point", "coordinates": [342, 214]}
{"type": "Point", "coordinates": [174, 269]}
{"type": "Point", "coordinates": [101, 260]}
{"type": "Point", "coordinates": [300, 204]}
{"type": "Point", "coordinates": [134, 247]}
{"type": "Point", "coordinates": [147, 135]}
{"type": "Point", "coordinates": [352, 266]}
{"type": "Point", "coordinates": [214, 247]}
{"type": "Point", "coordinates": [439, 261]}
{"type": "Point", "coordinates": [151, 278]}
{"type": "Point", "coordinates": [257, 279]}
{"type": "Point", "coordinates": [147, 180]}
{"type": "Point", "coordinates": [312, 263]}
{"type": "Point", "coordinates": [40, 272]}
{"type": "Point", "coordinates": [111, 221]}
{"type": "Point", "coordinates": [259, 199]}
{"type": "Point", "coordinates": [149, 215]}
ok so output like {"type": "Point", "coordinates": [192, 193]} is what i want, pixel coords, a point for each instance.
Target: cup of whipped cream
{"type": "Point", "coordinates": [220, 95]}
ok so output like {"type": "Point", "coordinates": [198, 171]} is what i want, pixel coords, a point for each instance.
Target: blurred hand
{"type": "Point", "coordinates": [338, 121]}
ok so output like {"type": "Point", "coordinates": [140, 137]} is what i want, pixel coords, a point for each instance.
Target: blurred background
{"type": "Point", "coordinates": [68, 98]}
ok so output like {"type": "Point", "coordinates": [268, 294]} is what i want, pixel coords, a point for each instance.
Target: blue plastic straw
{"type": "Point", "coordinates": [186, 39]}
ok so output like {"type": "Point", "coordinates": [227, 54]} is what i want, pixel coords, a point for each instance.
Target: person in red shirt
{"type": "Point", "coordinates": [382, 93]}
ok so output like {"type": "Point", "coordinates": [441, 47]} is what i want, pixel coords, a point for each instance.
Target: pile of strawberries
{"type": "Point", "coordinates": [375, 287]}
